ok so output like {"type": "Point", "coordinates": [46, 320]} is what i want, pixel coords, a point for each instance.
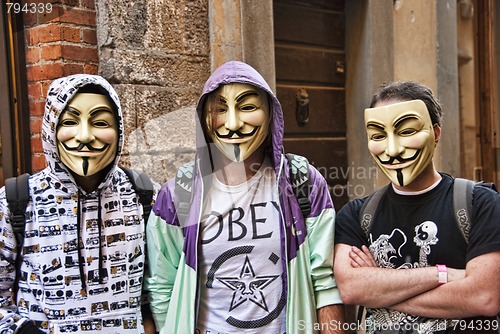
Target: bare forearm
{"type": "Point", "coordinates": [471, 292]}
{"type": "Point", "coordinates": [445, 302]}
{"type": "Point", "coordinates": [331, 318]}
{"type": "Point", "coordinates": [149, 325]}
{"type": "Point", "coordinates": [476, 294]}
{"type": "Point", "coordinates": [379, 287]}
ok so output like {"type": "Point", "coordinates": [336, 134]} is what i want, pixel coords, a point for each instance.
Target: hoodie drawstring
{"type": "Point", "coordinates": [81, 262]}
{"type": "Point", "coordinates": [80, 243]}
{"type": "Point", "coordinates": [99, 227]}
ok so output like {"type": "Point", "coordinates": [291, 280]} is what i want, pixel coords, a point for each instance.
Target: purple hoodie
{"type": "Point", "coordinates": [239, 72]}
{"type": "Point", "coordinates": [306, 242]}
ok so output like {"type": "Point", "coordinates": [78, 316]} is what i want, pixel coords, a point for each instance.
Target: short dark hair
{"type": "Point", "coordinates": [407, 91]}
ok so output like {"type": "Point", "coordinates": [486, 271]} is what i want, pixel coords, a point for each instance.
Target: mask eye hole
{"type": "Point", "coordinates": [407, 132]}
{"type": "Point", "coordinates": [100, 124]}
{"type": "Point", "coordinates": [378, 137]}
{"type": "Point", "coordinates": [248, 107]}
{"type": "Point", "coordinates": [69, 122]}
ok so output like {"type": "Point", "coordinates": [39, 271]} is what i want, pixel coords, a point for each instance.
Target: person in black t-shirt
{"type": "Point", "coordinates": [414, 271]}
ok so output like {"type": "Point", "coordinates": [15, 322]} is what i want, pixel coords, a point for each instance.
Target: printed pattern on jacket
{"type": "Point", "coordinates": [83, 253]}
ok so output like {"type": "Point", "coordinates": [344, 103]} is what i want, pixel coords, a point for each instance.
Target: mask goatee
{"type": "Point", "coordinates": [85, 165]}
{"type": "Point", "coordinates": [400, 177]}
{"type": "Point", "coordinates": [237, 152]}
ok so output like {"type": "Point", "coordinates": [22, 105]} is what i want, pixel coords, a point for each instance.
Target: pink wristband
{"type": "Point", "coordinates": [442, 274]}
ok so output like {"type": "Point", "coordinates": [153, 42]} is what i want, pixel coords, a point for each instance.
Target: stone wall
{"type": "Point", "coordinates": [156, 55]}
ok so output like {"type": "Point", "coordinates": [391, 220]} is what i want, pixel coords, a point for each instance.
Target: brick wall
{"type": "Point", "coordinates": [58, 44]}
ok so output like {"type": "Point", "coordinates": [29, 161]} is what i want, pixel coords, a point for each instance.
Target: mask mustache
{"type": "Point", "coordinates": [82, 145]}
{"type": "Point", "coordinates": [400, 159]}
{"type": "Point", "coordinates": [238, 133]}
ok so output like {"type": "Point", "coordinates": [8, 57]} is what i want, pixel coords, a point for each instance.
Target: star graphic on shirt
{"type": "Point", "coordinates": [247, 286]}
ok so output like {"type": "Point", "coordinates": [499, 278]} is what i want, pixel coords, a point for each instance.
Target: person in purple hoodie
{"type": "Point", "coordinates": [243, 258]}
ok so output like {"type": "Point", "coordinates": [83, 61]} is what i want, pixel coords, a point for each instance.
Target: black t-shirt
{"type": "Point", "coordinates": [411, 231]}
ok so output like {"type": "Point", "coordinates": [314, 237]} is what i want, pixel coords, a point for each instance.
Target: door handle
{"type": "Point", "coordinates": [302, 106]}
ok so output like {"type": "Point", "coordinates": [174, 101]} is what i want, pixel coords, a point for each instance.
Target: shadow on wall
{"type": "Point", "coordinates": [164, 143]}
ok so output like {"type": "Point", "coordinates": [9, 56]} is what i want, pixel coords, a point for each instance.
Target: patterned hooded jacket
{"type": "Point", "coordinates": [83, 253]}
{"type": "Point", "coordinates": [306, 244]}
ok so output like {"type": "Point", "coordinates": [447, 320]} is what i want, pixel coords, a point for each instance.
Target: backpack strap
{"type": "Point", "coordinates": [299, 176]}
{"type": "Point", "coordinates": [183, 189]}
{"type": "Point", "coordinates": [18, 196]}
{"type": "Point", "coordinates": [463, 191]}
{"type": "Point", "coordinates": [366, 215]}
{"type": "Point", "coordinates": [369, 209]}
{"type": "Point", "coordinates": [462, 204]}
{"type": "Point", "coordinates": [143, 187]}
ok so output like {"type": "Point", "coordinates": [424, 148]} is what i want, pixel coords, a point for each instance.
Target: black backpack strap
{"type": "Point", "coordinates": [462, 204]}
{"type": "Point", "coordinates": [366, 215]}
{"type": "Point", "coordinates": [144, 187]}
{"type": "Point", "coordinates": [18, 196]}
{"type": "Point", "coordinates": [369, 209]}
{"type": "Point", "coordinates": [299, 176]}
{"type": "Point", "coordinates": [183, 189]}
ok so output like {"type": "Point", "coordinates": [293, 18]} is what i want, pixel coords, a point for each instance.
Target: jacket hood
{"type": "Point", "coordinates": [59, 94]}
{"type": "Point", "coordinates": [239, 72]}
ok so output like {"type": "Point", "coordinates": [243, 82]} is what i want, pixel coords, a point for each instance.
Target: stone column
{"type": "Point", "coordinates": [243, 30]}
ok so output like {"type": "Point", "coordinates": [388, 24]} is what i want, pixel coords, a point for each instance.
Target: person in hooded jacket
{"type": "Point", "coordinates": [83, 254]}
{"type": "Point", "coordinates": [243, 258]}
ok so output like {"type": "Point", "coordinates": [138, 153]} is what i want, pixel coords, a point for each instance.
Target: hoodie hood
{"type": "Point", "coordinates": [239, 72]}
{"type": "Point", "coordinates": [59, 94]}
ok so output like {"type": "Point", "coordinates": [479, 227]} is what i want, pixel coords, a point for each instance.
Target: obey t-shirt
{"type": "Point", "coordinates": [241, 270]}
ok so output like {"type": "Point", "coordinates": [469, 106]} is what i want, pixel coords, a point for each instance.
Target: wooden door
{"type": "Point", "coordinates": [310, 84]}
{"type": "Point", "coordinates": [485, 55]}
{"type": "Point", "coordinates": [15, 144]}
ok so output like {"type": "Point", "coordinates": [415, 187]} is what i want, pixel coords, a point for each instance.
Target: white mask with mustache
{"type": "Point", "coordinates": [239, 123]}
{"type": "Point", "coordinates": [400, 138]}
{"type": "Point", "coordinates": [87, 134]}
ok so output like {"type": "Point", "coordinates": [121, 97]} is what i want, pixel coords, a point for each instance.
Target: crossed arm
{"type": "Point", "coordinates": [471, 292]}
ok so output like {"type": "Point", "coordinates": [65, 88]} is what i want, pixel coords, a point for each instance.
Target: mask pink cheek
{"type": "Point", "coordinates": [376, 148]}
{"type": "Point", "coordinates": [418, 141]}
{"type": "Point", "coordinates": [108, 137]}
{"type": "Point", "coordinates": [65, 134]}
{"type": "Point", "coordinates": [255, 118]}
